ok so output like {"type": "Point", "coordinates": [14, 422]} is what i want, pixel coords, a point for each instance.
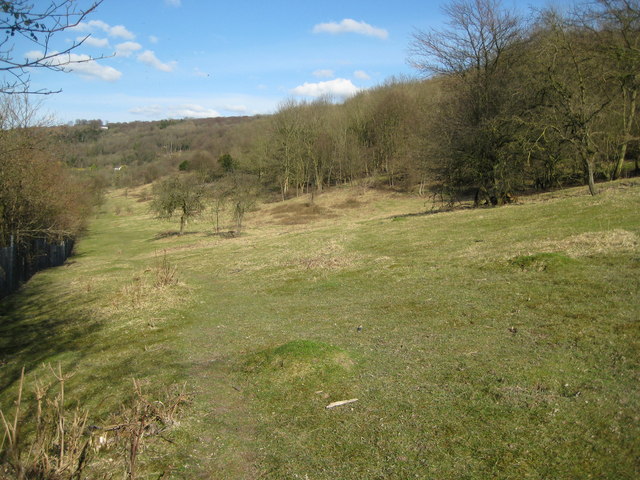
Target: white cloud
{"type": "Point", "coordinates": [90, 68]}
{"type": "Point", "coordinates": [126, 49]}
{"type": "Point", "coordinates": [118, 31]}
{"type": "Point", "coordinates": [323, 73]}
{"type": "Point", "coordinates": [361, 75]}
{"type": "Point", "coordinates": [351, 26]}
{"type": "Point", "coordinates": [173, 3]}
{"type": "Point", "coordinates": [83, 65]}
{"type": "Point", "coordinates": [94, 41]}
{"type": "Point", "coordinates": [90, 26]}
{"type": "Point", "coordinates": [153, 39]}
{"type": "Point", "coordinates": [149, 58]}
{"type": "Point", "coordinates": [340, 87]}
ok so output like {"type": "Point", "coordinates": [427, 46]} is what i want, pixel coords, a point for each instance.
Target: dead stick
{"type": "Point", "coordinates": [340, 403]}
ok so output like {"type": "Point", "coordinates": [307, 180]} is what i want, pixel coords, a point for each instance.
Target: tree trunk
{"type": "Point", "coordinates": [629, 118]}
{"type": "Point", "coordinates": [592, 186]}
{"type": "Point", "coordinates": [183, 222]}
{"type": "Point", "coordinates": [623, 153]}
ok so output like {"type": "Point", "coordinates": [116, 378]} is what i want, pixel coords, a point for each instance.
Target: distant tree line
{"type": "Point", "coordinates": [507, 105]}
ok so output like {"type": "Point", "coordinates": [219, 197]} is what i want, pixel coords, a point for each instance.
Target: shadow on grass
{"type": "Point", "coordinates": [33, 330]}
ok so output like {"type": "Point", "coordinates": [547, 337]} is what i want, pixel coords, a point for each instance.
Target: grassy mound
{"type": "Point", "coordinates": [299, 359]}
{"type": "Point", "coordinates": [298, 368]}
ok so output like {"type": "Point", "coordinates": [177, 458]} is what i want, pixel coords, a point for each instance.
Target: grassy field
{"type": "Point", "coordinates": [480, 343]}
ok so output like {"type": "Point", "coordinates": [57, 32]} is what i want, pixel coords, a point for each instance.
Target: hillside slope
{"type": "Point", "coordinates": [480, 343]}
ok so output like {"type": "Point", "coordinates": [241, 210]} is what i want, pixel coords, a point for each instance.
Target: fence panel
{"type": "Point", "coordinates": [18, 264]}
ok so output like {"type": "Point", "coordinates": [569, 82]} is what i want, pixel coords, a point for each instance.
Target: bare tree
{"type": "Point", "coordinates": [244, 195]}
{"type": "Point", "coordinates": [38, 196]}
{"type": "Point", "coordinates": [478, 33]}
{"type": "Point", "coordinates": [576, 94]}
{"type": "Point", "coordinates": [38, 23]}
{"type": "Point", "coordinates": [616, 25]}
{"type": "Point", "coordinates": [475, 54]}
{"type": "Point", "coordinates": [183, 193]}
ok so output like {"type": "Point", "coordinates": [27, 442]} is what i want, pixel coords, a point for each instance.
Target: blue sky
{"type": "Point", "coordinates": [203, 58]}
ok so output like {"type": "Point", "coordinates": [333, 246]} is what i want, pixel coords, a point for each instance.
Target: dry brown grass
{"type": "Point", "coordinates": [581, 245]}
{"type": "Point", "coordinates": [332, 207]}
{"type": "Point", "coordinates": [331, 257]}
{"type": "Point", "coordinates": [590, 243]}
{"type": "Point", "coordinates": [154, 289]}
{"type": "Point", "coordinates": [295, 213]}
{"type": "Point", "coordinates": [348, 203]}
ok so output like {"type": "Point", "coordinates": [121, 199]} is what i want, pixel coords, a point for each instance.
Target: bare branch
{"type": "Point", "coordinates": [39, 25]}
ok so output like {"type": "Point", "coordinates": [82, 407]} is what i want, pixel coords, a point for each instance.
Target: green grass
{"type": "Point", "coordinates": [495, 343]}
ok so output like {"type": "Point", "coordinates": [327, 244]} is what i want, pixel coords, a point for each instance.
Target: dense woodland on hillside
{"type": "Point", "coordinates": [507, 106]}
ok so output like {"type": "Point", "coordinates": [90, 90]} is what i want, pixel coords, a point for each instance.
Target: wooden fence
{"type": "Point", "coordinates": [18, 263]}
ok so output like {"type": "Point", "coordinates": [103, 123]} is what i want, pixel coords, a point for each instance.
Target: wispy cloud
{"type": "Point", "coordinates": [351, 26]}
{"type": "Point", "coordinates": [126, 49]}
{"type": "Point", "coordinates": [361, 75]}
{"type": "Point", "coordinates": [117, 31]}
{"type": "Point", "coordinates": [150, 111]}
{"type": "Point", "coordinates": [236, 108]}
{"type": "Point", "coordinates": [83, 65]}
{"type": "Point", "coordinates": [199, 73]}
{"type": "Point", "coordinates": [94, 41]}
{"type": "Point", "coordinates": [153, 39]}
{"type": "Point", "coordinates": [173, 3]}
{"type": "Point", "coordinates": [191, 110]}
{"type": "Point", "coordinates": [323, 73]}
{"type": "Point", "coordinates": [340, 87]}
{"type": "Point", "coordinates": [149, 58]}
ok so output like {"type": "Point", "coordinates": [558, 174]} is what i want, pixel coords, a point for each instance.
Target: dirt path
{"type": "Point", "coordinates": [220, 421]}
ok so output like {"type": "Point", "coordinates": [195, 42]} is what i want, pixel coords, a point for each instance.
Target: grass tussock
{"type": "Point", "coordinates": [150, 288]}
